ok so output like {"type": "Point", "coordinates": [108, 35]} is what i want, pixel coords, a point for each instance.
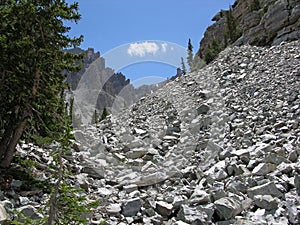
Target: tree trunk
{"type": "Point", "coordinates": [9, 149]}
{"type": "Point", "coordinates": [6, 137]}
{"type": "Point", "coordinates": [4, 141]}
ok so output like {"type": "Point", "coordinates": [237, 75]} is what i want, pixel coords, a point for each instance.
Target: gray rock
{"type": "Point", "coordinates": [139, 131]}
{"type": "Point", "coordinates": [196, 215]}
{"type": "Point", "coordinates": [94, 172]}
{"type": "Point", "coordinates": [275, 159]}
{"type": "Point", "coordinates": [136, 153]}
{"type": "Point", "coordinates": [3, 214]}
{"type": "Point", "coordinates": [113, 209]}
{"type": "Point", "coordinates": [293, 156]}
{"type": "Point", "coordinates": [297, 183]}
{"type": "Point", "coordinates": [131, 207]}
{"type": "Point", "coordinates": [82, 181]}
{"type": "Point", "coordinates": [1, 196]}
{"type": "Point", "coordinates": [294, 215]}
{"type": "Point", "coordinates": [200, 197]}
{"type": "Point", "coordinates": [227, 208]}
{"type": "Point", "coordinates": [24, 200]}
{"type": "Point", "coordinates": [29, 211]}
{"type": "Point", "coordinates": [203, 109]}
{"type": "Point", "coordinates": [264, 189]}
{"type": "Point", "coordinates": [164, 208]}
{"type": "Point", "coordinates": [266, 202]}
{"type": "Point", "coordinates": [263, 169]}
{"type": "Point", "coordinates": [130, 188]}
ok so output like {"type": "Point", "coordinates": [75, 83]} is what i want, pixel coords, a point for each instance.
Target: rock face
{"type": "Point", "coordinates": [96, 87]}
{"type": "Point", "coordinates": [261, 23]}
{"type": "Point", "coordinates": [217, 146]}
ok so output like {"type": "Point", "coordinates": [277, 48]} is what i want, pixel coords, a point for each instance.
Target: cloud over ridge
{"type": "Point", "coordinates": [142, 48]}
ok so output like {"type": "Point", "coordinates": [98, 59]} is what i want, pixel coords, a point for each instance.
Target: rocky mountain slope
{"type": "Point", "coordinates": [217, 146]}
{"type": "Point", "coordinates": [96, 87]}
{"type": "Point", "coordinates": [260, 22]}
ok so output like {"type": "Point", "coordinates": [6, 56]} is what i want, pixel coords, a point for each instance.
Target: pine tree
{"type": "Point", "coordinates": [104, 114]}
{"type": "Point", "coordinates": [190, 56]}
{"type": "Point", "coordinates": [232, 32]}
{"type": "Point", "coordinates": [95, 117]}
{"type": "Point", "coordinates": [183, 68]}
{"type": "Point", "coordinates": [32, 57]}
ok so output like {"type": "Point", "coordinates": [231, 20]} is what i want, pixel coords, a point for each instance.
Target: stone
{"type": "Point", "coordinates": [293, 156]}
{"type": "Point", "coordinates": [131, 207]}
{"type": "Point", "coordinates": [130, 188]}
{"type": "Point", "coordinates": [263, 169]}
{"type": "Point", "coordinates": [275, 159]}
{"type": "Point", "coordinates": [297, 183]}
{"type": "Point", "coordinates": [24, 200]}
{"type": "Point", "coordinates": [30, 212]}
{"type": "Point", "coordinates": [3, 214]}
{"type": "Point", "coordinates": [266, 202]}
{"type": "Point", "coordinates": [139, 131]}
{"type": "Point", "coordinates": [285, 168]}
{"type": "Point", "coordinates": [113, 209]}
{"type": "Point", "coordinates": [82, 181]}
{"type": "Point", "coordinates": [2, 197]}
{"type": "Point", "coordinates": [268, 188]}
{"type": "Point", "coordinates": [94, 172]}
{"type": "Point", "coordinates": [203, 109]}
{"type": "Point", "coordinates": [227, 208]}
{"type": "Point", "coordinates": [199, 197]}
{"type": "Point", "coordinates": [136, 153]}
{"type": "Point", "coordinates": [164, 208]}
{"type": "Point", "coordinates": [180, 223]}
{"type": "Point", "coordinates": [104, 191]}
{"type": "Point", "coordinates": [294, 215]}
{"type": "Point", "coordinates": [196, 215]}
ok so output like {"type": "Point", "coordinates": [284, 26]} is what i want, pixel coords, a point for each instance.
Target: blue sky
{"type": "Point", "coordinates": [144, 28]}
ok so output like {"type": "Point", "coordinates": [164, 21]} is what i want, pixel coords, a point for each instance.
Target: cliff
{"type": "Point", "coordinates": [96, 87]}
{"type": "Point", "coordinates": [256, 22]}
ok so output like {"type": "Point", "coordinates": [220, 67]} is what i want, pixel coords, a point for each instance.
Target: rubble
{"type": "Point", "coordinates": [217, 146]}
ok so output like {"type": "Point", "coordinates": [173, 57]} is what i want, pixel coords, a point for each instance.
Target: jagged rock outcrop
{"type": "Point", "coordinates": [96, 87]}
{"type": "Point", "coordinates": [73, 78]}
{"type": "Point", "coordinates": [217, 146]}
{"type": "Point", "coordinates": [261, 23]}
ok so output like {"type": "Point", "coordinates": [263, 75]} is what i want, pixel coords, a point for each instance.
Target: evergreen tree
{"type": "Point", "coordinates": [213, 51]}
{"type": "Point", "coordinates": [33, 37]}
{"type": "Point", "coordinates": [232, 32]}
{"type": "Point", "coordinates": [190, 54]}
{"type": "Point", "coordinates": [95, 117]}
{"type": "Point", "coordinates": [183, 68]}
{"type": "Point", "coordinates": [104, 114]}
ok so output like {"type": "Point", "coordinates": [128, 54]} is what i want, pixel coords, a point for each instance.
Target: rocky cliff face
{"type": "Point", "coordinates": [261, 22]}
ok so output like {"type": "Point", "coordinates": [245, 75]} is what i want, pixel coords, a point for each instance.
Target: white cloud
{"type": "Point", "coordinates": [164, 47]}
{"type": "Point", "coordinates": [142, 48]}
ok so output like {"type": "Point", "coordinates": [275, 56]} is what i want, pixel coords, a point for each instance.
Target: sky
{"type": "Point", "coordinates": [143, 38]}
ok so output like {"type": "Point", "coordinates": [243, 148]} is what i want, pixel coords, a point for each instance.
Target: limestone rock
{"type": "Point", "coordinates": [3, 214]}
{"type": "Point", "coordinates": [265, 189]}
{"type": "Point", "coordinates": [266, 202]}
{"type": "Point", "coordinates": [131, 207]}
{"type": "Point", "coordinates": [227, 208]}
{"type": "Point", "coordinates": [164, 208]}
